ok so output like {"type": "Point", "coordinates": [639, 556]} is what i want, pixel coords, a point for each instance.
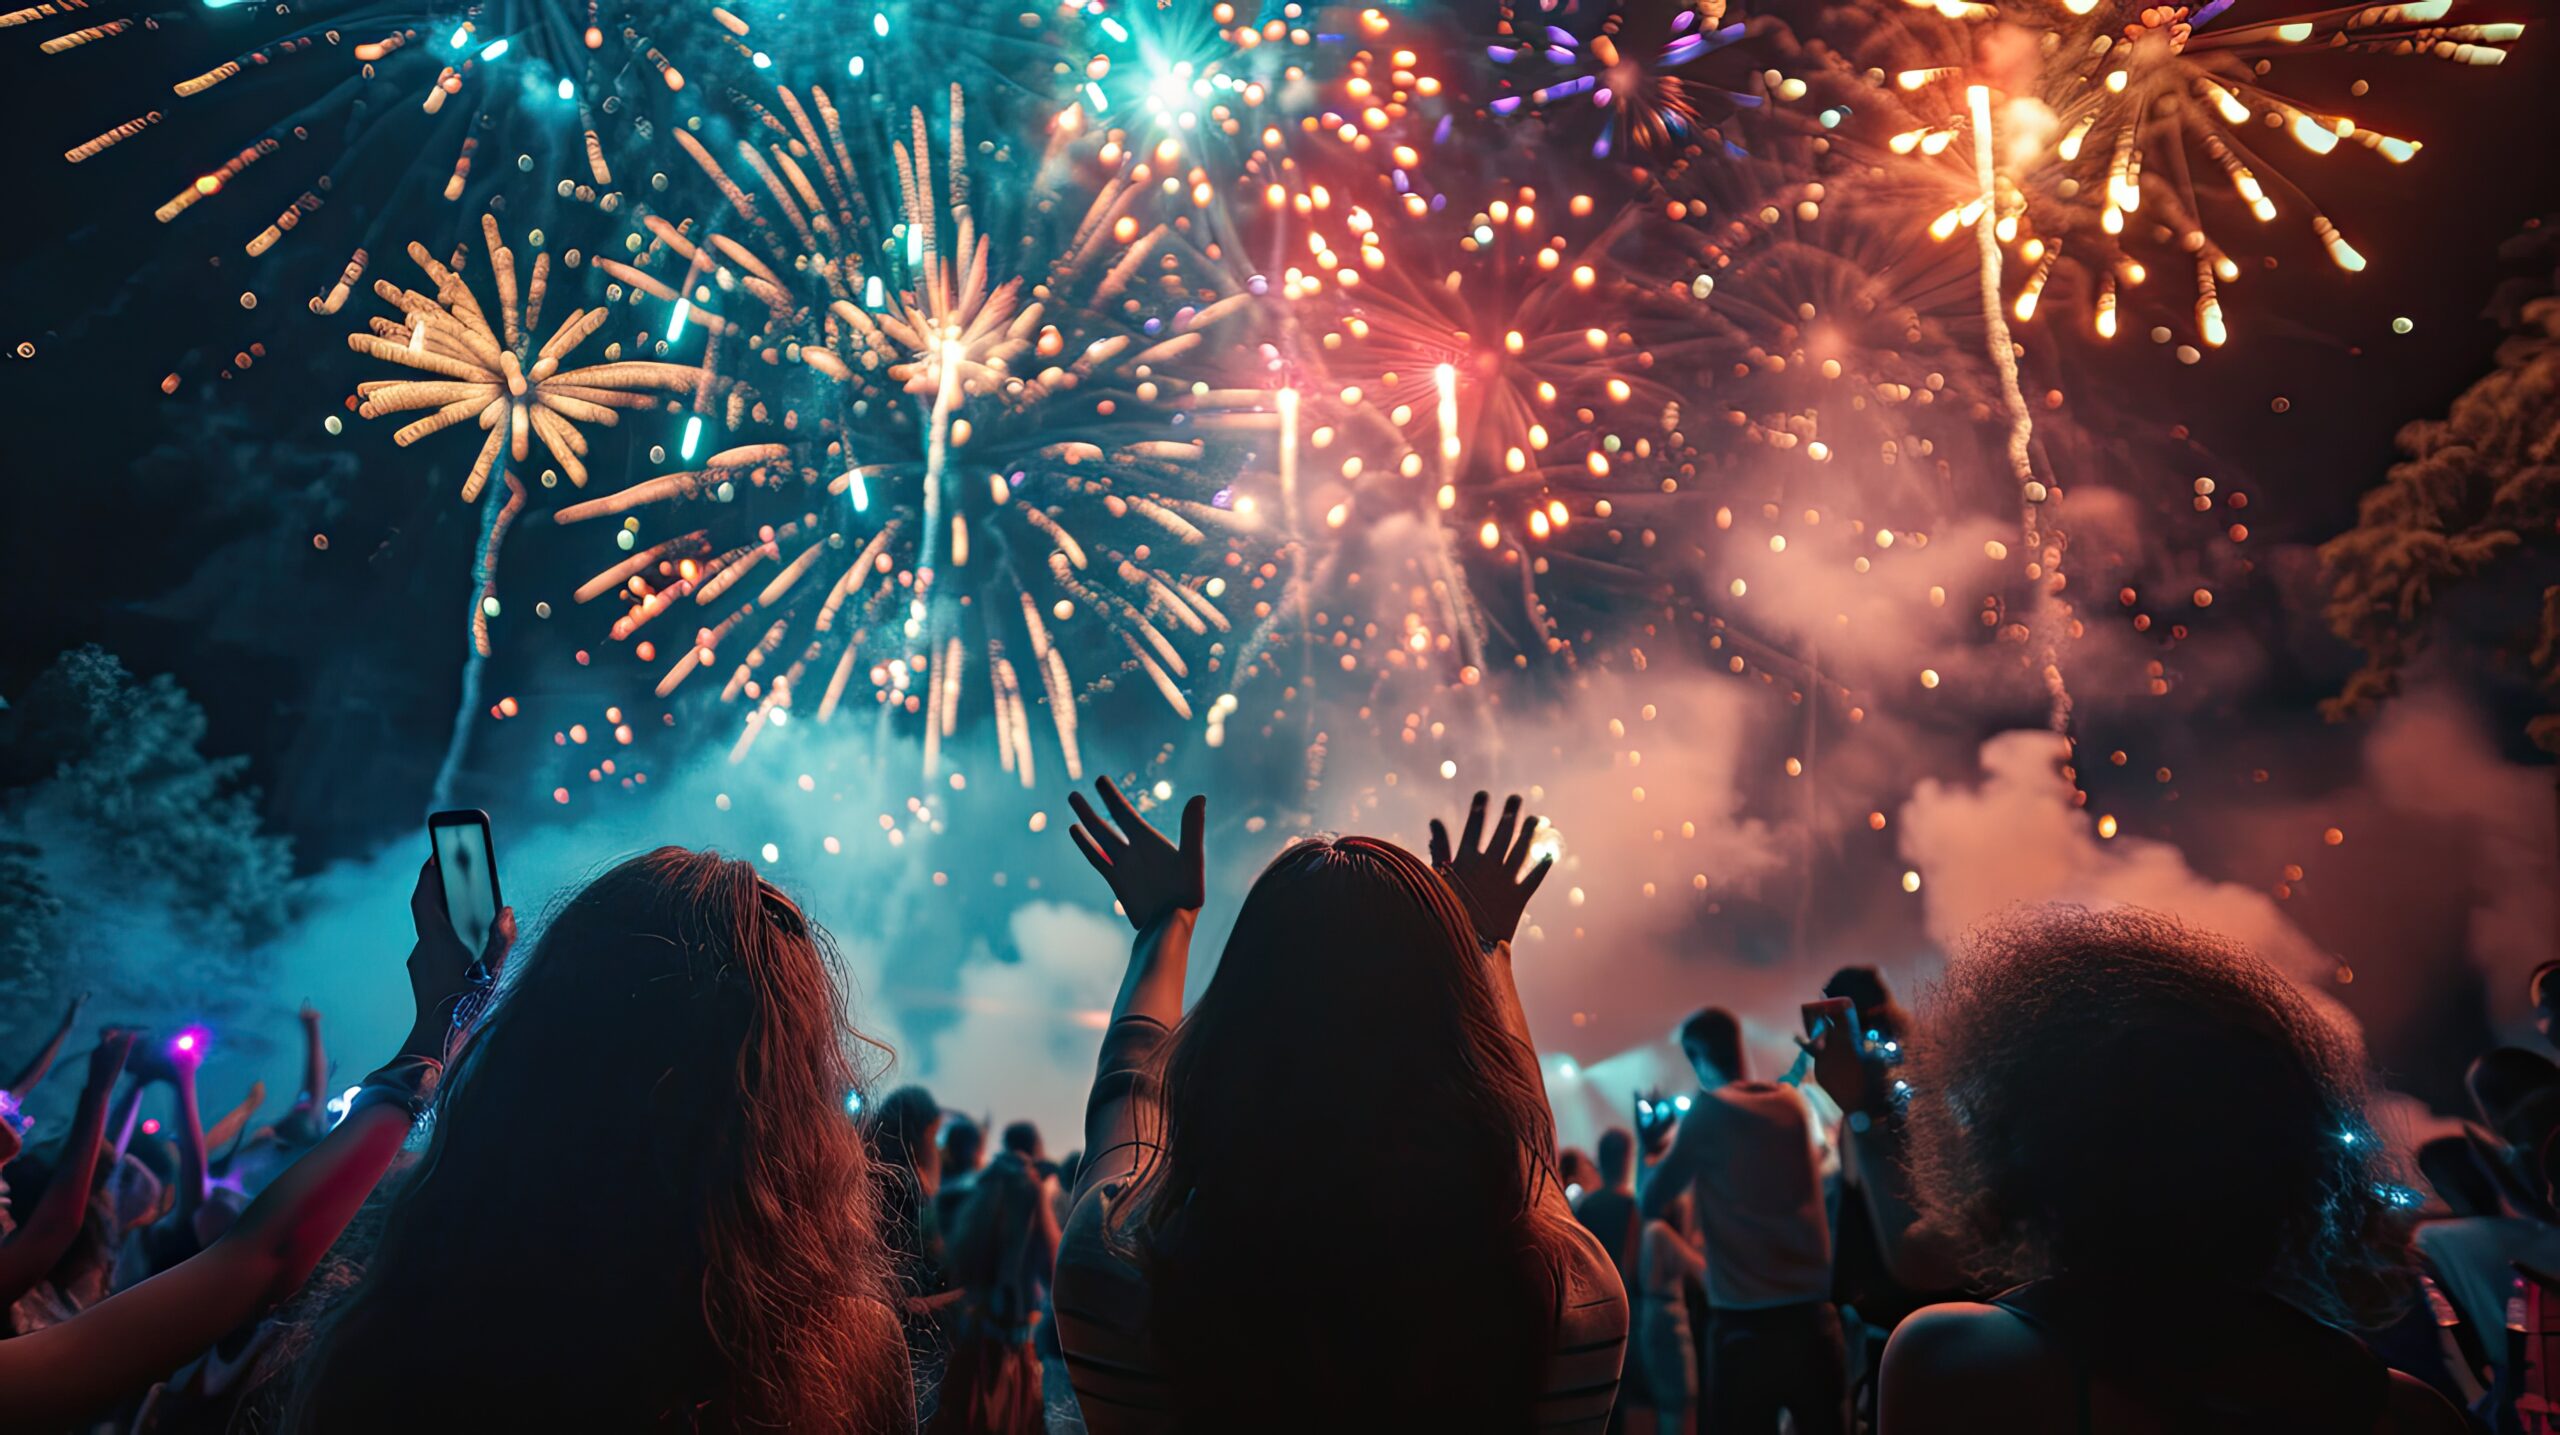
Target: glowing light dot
{"type": "Point", "coordinates": [2333, 837]}
{"type": "Point", "coordinates": [1910, 881]}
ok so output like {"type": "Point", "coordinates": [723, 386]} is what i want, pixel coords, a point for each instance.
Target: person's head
{"type": "Point", "coordinates": [1576, 1169]}
{"type": "Point", "coordinates": [1617, 1157]}
{"type": "Point", "coordinates": [1712, 1040]}
{"type": "Point", "coordinates": [2452, 1165]}
{"type": "Point", "coordinates": [642, 1202]}
{"type": "Point", "coordinates": [964, 1145]}
{"type": "Point", "coordinates": [1022, 1138]}
{"type": "Point", "coordinates": [901, 1130]}
{"type": "Point", "coordinates": [1353, 1025]}
{"type": "Point", "coordinates": [1877, 1010]}
{"type": "Point", "coordinates": [2123, 1099]}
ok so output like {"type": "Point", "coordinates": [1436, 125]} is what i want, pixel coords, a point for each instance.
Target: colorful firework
{"type": "Point", "coordinates": [1633, 76]}
{"type": "Point", "coordinates": [378, 123]}
{"type": "Point", "coordinates": [2094, 118]}
{"type": "Point", "coordinates": [1007, 454]}
{"type": "Point", "coordinates": [1495, 398]}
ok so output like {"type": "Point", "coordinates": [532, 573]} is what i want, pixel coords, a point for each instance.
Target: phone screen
{"type": "Point", "coordinates": [467, 863]}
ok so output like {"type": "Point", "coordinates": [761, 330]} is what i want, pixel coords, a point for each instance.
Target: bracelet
{"type": "Point", "coordinates": [408, 1082]}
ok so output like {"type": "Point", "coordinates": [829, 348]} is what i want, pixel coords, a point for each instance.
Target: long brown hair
{"type": "Point", "coordinates": [643, 1204]}
{"type": "Point", "coordinates": [1343, 1217]}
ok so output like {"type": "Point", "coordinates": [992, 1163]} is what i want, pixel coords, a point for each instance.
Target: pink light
{"type": "Point", "coordinates": [186, 1043]}
{"type": "Point", "coordinates": [151, 1126]}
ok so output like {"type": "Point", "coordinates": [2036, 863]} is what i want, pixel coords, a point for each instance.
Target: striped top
{"type": "Point", "coordinates": [1102, 1299]}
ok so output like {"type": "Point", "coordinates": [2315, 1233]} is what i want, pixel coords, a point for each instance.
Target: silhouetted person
{"type": "Point", "coordinates": [2158, 1135]}
{"type": "Point", "coordinates": [1745, 1152]}
{"type": "Point", "coordinates": [964, 1149]}
{"type": "Point", "coordinates": [642, 1206]}
{"type": "Point", "coordinates": [1217, 1274]}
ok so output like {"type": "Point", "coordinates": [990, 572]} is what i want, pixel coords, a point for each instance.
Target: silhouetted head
{"type": "Point", "coordinates": [1617, 1156]}
{"type": "Point", "coordinates": [964, 1145]}
{"type": "Point", "coordinates": [1877, 1010]}
{"type": "Point", "coordinates": [2117, 1097]}
{"type": "Point", "coordinates": [1022, 1138]}
{"type": "Point", "coordinates": [1712, 1040]}
{"type": "Point", "coordinates": [642, 1203]}
{"type": "Point", "coordinates": [901, 1128]}
{"type": "Point", "coordinates": [1354, 1038]}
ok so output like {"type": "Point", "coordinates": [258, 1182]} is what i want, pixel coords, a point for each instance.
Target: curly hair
{"type": "Point", "coordinates": [642, 1205]}
{"type": "Point", "coordinates": [2120, 1097]}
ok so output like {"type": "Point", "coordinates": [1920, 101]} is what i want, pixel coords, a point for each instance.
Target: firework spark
{"type": "Point", "coordinates": [472, 370]}
{"type": "Point", "coordinates": [2101, 115]}
{"type": "Point", "coordinates": [1639, 72]}
{"type": "Point", "coordinates": [1005, 458]}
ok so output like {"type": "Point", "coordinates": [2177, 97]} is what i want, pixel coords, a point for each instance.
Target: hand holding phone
{"type": "Point", "coordinates": [1839, 1051]}
{"type": "Point", "coordinates": [466, 862]}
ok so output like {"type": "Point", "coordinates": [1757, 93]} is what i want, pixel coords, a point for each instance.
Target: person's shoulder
{"type": "Point", "coordinates": [1762, 1099]}
{"type": "Point", "coordinates": [1958, 1366]}
{"type": "Point", "coordinates": [1964, 1333]}
{"type": "Point", "coordinates": [2412, 1407]}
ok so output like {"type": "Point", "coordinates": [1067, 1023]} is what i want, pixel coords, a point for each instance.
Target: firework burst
{"type": "Point", "coordinates": [471, 370]}
{"type": "Point", "coordinates": [1633, 77]}
{"type": "Point", "coordinates": [1007, 456]}
{"type": "Point", "coordinates": [1496, 394]}
{"type": "Point", "coordinates": [2103, 116]}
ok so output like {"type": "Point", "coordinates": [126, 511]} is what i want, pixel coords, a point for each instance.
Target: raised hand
{"type": "Point", "coordinates": [1149, 875]}
{"type": "Point", "coordinates": [1490, 879]}
{"type": "Point", "coordinates": [443, 972]}
{"type": "Point", "coordinates": [107, 1060]}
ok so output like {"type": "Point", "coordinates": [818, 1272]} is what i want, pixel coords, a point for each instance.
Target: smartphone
{"type": "Point", "coordinates": [467, 865]}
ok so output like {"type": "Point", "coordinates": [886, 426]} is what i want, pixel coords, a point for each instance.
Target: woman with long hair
{"type": "Point", "coordinates": [1325, 1198]}
{"type": "Point", "coordinates": [2166, 1146]}
{"type": "Point", "coordinates": [643, 1206]}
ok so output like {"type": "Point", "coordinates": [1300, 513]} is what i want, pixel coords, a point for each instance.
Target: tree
{"type": "Point", "coordinates": [129, 861]}
{"type": "Point", "coordinates": [2463, 537]}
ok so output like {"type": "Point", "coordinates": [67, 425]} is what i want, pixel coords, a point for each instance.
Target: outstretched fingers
{"type": "Point", "coordinates": [1195, 822]}
{"type": "Point", "coordinates": [1537, 874]}
{"type": "Point", "coordinates": [1091, 849]}
{"type": "Point", "coordinates": [1500, 843]}
{"type": "Point", "coordinates": [1518, 856]}
{"type": "Point", "coordinates": [1440, 856]}
{"type": "Point", "coordinates": [1470, 839]}
{"type": "Point", "coordinates": [1101, 834]}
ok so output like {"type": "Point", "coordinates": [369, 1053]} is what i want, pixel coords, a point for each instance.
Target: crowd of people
{"type": "Point", "coordinates": [2112, 1175]}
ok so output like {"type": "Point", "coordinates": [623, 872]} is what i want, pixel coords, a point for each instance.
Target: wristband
{"type": "Point", "coordinates": [408, 1082]}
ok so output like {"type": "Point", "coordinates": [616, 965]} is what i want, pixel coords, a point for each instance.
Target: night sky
{"type": "Point", "coordinates": [178, 529]}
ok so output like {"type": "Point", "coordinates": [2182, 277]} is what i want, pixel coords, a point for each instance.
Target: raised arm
{"type": "Point", "coordinates": [1495, 882]}
{"type": "Point", "coordinates": [192, 1181]}
{"type": "Point", "coordinates": [222, 1133]}
{"type": "Point", "coordinates": [35, 1247]}
{"type": "Point", "coordinates": [32, 1074]}
{"type": "Point", "coordinates": [1675, 1171]}
{"type": "Point", "coordinates": [314, 1095]}
{"type": "Point", "coordinates": [1160, 886]}
{"type": "Point", "coordinates": [61, 1374]}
